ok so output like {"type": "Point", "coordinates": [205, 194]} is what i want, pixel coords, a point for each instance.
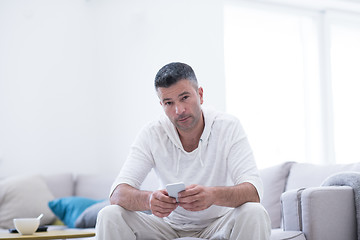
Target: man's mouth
{"type": "Point", "coordinates": [183, 119]}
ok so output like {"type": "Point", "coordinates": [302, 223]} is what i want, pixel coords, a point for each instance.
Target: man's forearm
{"type": "Point", "coordinates": [130, 198]}
{"type": "Point", "coordinates": [235, 196]}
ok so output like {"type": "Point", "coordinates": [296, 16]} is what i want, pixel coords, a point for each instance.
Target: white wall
{"type": "Point", "coordinates": [76, 76]}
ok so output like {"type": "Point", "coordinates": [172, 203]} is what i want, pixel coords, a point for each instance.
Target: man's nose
{"type": "Point", "coordinates": [179, 109]}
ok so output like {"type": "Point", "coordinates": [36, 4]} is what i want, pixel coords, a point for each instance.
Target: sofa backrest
{"type": "Point", "coordinates": [93, 186]}
{"type": "Point", "coordinates": [305, 175]}
{"type": "Point", "coordinates": [60, 185]}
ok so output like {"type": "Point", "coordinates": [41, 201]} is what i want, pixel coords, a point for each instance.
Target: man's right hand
{"type": "Point", "coordinates": [161, 204]}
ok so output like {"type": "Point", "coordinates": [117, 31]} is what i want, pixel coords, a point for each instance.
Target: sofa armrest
{"type": "Point", "coordinates": [291, 210]}
{"type": "Point", "coordinates": [329, 213]}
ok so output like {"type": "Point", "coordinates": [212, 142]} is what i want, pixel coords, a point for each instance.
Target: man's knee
{"type": "Point", "coordinates": [252, 210]}
{"type": "Point", "coordinates": [251, 216]}
{"type": "Point", "coordinates": [111, 213]}
{"type": "Point", "coordinates": [111, 224]}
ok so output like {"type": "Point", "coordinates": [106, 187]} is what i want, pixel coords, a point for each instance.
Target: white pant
{"type": "Point", "coordinates": [247, 222]}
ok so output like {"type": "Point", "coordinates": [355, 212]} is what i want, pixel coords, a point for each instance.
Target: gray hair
{"type": "Point", "coordinates": [174, 72]}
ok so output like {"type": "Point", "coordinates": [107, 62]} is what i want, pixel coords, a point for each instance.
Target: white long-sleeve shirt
{"type": "Point", "coordinates": [223, 158]}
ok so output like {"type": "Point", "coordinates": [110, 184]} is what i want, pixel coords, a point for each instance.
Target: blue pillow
{"type": "Point", "coordinates": [68, 209]}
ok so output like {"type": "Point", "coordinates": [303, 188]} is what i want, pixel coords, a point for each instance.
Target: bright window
{"type": "Point", "coordinates": [292, 78]}
{"type": "Point", "coordinates": [345, 72]}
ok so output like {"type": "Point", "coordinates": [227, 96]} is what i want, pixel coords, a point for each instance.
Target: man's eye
{"type": "Point", "coordinates": [185, 97]}
{"type": "Point", "coordinates": [168, 103]}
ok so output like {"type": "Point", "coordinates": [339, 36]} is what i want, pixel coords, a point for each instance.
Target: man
{"type": "Point", "coordinates": [206, 150]}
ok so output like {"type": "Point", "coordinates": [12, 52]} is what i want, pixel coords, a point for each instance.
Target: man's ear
{"type": "Point", "coordinates": [201, 94]}
{"type": "Point", "coordinates": [158, 94]}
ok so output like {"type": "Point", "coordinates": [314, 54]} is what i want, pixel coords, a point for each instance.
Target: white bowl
{"type": "Point", "coordinates": [26, 226]}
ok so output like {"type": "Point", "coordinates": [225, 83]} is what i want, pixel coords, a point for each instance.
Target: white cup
{"type": "Point", "coordinates": [26, 226]}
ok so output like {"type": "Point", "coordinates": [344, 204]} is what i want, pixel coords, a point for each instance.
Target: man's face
{"type": "Point", "coordinates": [182, 104]}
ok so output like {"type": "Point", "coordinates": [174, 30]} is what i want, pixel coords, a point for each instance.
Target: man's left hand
{"type": "Point", "coordinates": [196, 198]}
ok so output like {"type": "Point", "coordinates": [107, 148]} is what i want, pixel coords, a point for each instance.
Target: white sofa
{"type": "Point", "coordinates": [298, 206]}
{"type": "Point", "coordinates": [28, 196]}
{"type": "Point", "coordinates": [302, 209]}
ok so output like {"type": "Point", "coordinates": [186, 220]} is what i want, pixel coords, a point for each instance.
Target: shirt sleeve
{"type": "Point", "coordinates": [241, 162]}
{"type": "Point", "coordinates": [138, 163]}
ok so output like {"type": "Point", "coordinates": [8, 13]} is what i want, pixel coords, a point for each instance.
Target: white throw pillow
{"type": "Point", "coordinates": [22, 197]}
{"type": "Point", "coordinates": [274, 181]}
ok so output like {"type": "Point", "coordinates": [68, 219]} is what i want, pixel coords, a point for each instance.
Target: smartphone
{"type": "Point", "coordinates": [40, 229]}
{"type": "Point", "coordinates": [174, 188]}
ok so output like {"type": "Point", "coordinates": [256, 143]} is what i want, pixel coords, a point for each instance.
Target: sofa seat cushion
{"type": "Point", "coordinates": [279, 234]}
